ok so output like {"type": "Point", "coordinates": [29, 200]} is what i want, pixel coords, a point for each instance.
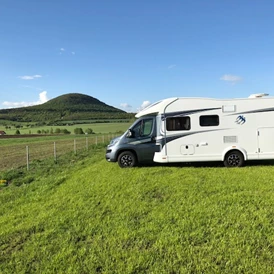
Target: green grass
{"type": "Point", "coordinates": [85, 215]}
{"type": "Point", "coordinates": [96, 127]}
{"type": "Point", "coordinates": [14, 150]}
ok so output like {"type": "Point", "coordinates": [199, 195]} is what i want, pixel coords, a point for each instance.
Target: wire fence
{"type": "Point", "coordinates": [14, 156]}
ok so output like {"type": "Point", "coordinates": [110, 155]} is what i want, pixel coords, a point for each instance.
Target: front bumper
{"type": "Point", "coordinates": [110, 156]}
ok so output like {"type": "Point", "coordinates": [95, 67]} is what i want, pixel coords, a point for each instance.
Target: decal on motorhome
{"type": "Point", "coordinates": [168, 139]}
{"type": "Point", "coordinates": [240, 120]}
{"type": "Point", "coordinates": [254, 111]}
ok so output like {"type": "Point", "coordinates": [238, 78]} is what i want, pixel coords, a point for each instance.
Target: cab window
{"type": "Point", "coordinates": [143, 128]}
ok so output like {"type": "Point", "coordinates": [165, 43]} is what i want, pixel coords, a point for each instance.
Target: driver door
{"type": "Point", "coordinates": [143, 138]}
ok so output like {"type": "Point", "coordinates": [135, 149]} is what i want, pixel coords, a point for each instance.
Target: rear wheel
{"type": "Point", "coordinates": [234, 159]}
{"type": "Point", "coordinates": [127, 159]}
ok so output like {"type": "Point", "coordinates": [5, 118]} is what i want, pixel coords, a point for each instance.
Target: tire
{"type": "Point", "coordinates": [127, 159]}
{"type": "Point", "coordinates": [234, 159]}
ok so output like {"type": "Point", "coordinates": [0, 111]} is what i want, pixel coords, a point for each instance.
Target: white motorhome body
{"type": "Point", "coordinates": [201, 129]}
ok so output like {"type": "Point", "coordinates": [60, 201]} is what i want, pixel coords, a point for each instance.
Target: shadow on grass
{"type": "Point", "coordinates": [208, 164]}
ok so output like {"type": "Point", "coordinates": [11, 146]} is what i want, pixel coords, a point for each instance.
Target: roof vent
{"type": "Point", "coordinates": [258, 95]}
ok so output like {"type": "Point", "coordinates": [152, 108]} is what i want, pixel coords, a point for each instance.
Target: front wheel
{"type": "Point", "coordinates": [127, 159]}
{"type": "Point", "coordinates": [234, 159]}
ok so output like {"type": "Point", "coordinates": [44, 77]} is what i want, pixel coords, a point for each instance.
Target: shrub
{"type": "Point", "coordinates": [89, 131]}
{"type": "Point", "coordinates": [64, 131]}
{"type": "Point", "coordinates": [78, 130]}
{"type": "Point", "coordinates": [57, 130]}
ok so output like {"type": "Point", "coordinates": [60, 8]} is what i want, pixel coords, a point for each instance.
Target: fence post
{"type": "Point", "coordinates": [87, 143]}
{"type": "Point", "coordinates": [96, 141]}
{"type": "Point", "coordinates": [54, 152]}
{"type": "Point", "coordinates": [103, 139]}
{"type": "Point", "coordinates": [27, 150]}
{"type": "Point", "coordinates": [75, 151]}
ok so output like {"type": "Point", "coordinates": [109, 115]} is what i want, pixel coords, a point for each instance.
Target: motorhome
{"type": "Point", "coordinates": [198, 130]}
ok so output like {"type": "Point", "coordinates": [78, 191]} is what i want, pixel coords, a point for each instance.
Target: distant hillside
{"type": "Point", "coordinates": [68, 107]}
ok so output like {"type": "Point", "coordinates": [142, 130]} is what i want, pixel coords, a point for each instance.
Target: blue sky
{"type": "Point", "coordinates": [130, 53]}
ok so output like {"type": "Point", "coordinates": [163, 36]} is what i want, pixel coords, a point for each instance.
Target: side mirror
{"type": "Point", "coordinates": [130, 133]}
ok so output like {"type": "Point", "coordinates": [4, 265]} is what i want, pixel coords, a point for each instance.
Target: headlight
{"type": "Point", "coordinates": [114, 141]}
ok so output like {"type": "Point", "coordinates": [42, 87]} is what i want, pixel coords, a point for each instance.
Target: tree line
{"type": "Point", "coordinates": [60, 131]}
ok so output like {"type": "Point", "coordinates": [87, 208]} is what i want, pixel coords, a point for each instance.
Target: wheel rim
{"type": "Point", "coordinates": [126, 160]}
{"type": "Point", "coordinates": [233, 160]}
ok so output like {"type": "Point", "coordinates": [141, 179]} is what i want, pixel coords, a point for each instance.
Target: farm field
{"type": "Point", "coordinates": [97, 128]}
{"type": "Point", "coordinates": [40, 146]}
{"type": "Point", "coordinates": [90, 216]}
{"type": "Point", "coordinates": [16, 151]}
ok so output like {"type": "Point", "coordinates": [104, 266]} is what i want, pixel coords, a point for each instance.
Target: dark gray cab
{"type": "Point", "coordinates": [137, 145]}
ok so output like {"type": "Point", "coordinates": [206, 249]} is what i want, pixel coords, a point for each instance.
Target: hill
{"type": "Point", "coordinates": [67, 107]}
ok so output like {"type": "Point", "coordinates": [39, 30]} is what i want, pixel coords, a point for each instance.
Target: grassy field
{"type": "Point", "coordinates": [103, 128]}
{"type": "Point", "coordinates": [14, 150]}
{"type": "Point", "coordinates": [85, 215]}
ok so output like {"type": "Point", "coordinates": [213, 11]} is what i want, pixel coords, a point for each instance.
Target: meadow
{"type": "Point", "coordinates": [98, 128]}
{"type": "Point", "coordinates": [85, 215]}
{"type": "Point", "coordinates": [41, 146]}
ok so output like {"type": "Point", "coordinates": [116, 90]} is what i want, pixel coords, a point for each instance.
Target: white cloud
{"type": "Point", "coordinates": [143, 106]}
{"type": "Point", "coordinates": [42, 99]}
{"type": "Point", "coordinates": [61, 50]}
{"type": "Point", "coordinates": [66, 52]}
{"type": "Point", "coordinates": [231, 78]}
{"type": "Point", "coordinates": [30, 77]}
{"type": "Point", "coordinates": [126, 106]}
{"type": "Point", "coordinates": [171, 66]}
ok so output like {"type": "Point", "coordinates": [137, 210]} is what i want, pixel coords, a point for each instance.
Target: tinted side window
{"type": "Point", "coordinates": [209, 120]}
{"type": "Point", "coordinates": [178, 123]}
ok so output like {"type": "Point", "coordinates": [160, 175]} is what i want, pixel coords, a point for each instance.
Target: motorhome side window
{"type": "Point", "coordinates": [143, 128]}
{"type": "Point", "coordinates": [178, 123]}
{"type": "Point", "coordinates": [209, 120]}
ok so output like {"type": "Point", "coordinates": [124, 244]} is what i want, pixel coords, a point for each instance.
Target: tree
{"type": "Point", "coordinates": [17, 132]}
{"type": "Point", "coordinates": [65, 131]}
{"type": "Point", "coordinates": [89, 131]}
{"type": "Point", "coordinates": [58, 130]}
{"type": "Point", "coordinates": [78, 130]}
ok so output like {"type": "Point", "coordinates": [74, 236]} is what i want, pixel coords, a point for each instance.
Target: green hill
{"type": "Point", "coordinates": [68, 107]}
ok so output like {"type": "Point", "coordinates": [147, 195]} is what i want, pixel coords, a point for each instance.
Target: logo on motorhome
{"type": "Point", "coordinates": [240, 120]}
